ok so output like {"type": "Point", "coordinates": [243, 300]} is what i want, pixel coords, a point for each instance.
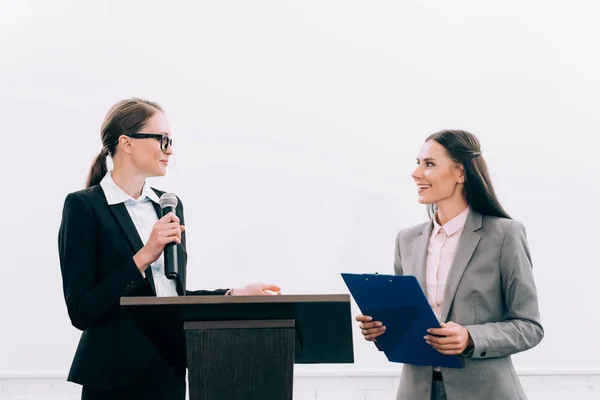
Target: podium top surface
{"type": "Point", "coordinates": [190, 300]}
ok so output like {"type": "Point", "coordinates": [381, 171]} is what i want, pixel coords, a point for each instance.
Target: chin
{"type": "Point", "coordinates": [160, 171]}
{"type": "Point", "coordinates": [424, 200]}
{"type": "Point", "coordinates": [155, 174]}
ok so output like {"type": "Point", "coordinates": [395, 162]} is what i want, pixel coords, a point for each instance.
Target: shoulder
{"type": "Point", "coordinates": [504, 226]}
{"type": "Point", "coordinates": [84, 198]}
{"type": "Point", "coordinates": [503, 230]}
{"type": "Point", "coordinates": [81, 207]}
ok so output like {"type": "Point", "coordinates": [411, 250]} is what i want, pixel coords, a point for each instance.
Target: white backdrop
{"type": "Point", "coordinates": [296, 126]}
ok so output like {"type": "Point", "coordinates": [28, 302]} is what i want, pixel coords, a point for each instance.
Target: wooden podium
{"type": "Point", "coordinates": [245, 347]}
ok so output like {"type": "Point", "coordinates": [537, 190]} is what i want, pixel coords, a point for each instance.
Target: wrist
{"type": "Point", "coordinates": [141, 261]}
{"type": "Point", "coordinates": [468, 351]}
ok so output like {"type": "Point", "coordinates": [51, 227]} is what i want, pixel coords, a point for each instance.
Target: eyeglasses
{"type": "Point", "coordinates": [165, 140]}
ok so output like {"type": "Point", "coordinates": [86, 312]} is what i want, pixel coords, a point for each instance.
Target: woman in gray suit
{"type": "Point", "coordinates": [473, 263]}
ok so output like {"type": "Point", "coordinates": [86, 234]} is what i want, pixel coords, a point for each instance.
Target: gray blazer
{"type": "Point", "coordinates": [491, 292]}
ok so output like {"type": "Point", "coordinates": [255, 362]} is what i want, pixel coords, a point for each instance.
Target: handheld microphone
{"type": "Point", "coordinates": [168, 203]}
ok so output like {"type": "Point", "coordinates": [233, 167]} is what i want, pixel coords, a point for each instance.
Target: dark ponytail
{"type": "Point", "coordinates": [98, 170]}
{"type": "Point", "coordinates": [127, 116]}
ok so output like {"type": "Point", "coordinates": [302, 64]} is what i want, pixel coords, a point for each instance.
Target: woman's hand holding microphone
{"type": "Point", "coordinates": [166, 230]}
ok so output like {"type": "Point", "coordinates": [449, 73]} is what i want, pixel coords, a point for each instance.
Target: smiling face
{"type": "Point", "coordinates": [439, 179]}
{"type": "Point", "coordinates": [146, 154]}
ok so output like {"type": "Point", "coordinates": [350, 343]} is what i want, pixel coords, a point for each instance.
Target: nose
{"type": "Point", "coordinates": [169, 150]}
{"type": "Point", "coordinates": [417, 173]}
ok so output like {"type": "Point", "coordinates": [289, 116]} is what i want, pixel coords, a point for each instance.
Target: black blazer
{"type": "Point", "coordinates": [96, 244]}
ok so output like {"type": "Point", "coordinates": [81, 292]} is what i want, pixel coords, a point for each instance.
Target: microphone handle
{"type": "Point", "coordinates": [170, 253]}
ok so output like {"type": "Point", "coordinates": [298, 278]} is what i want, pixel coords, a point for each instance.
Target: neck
{"type": "Point", "coordinates": [449, 210]}
{"type": "Point", "coordinates": [130, 183]}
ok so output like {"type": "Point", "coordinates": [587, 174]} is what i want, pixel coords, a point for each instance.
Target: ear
{"type": "Point", "coordinates": [459, 173]}
{"type": "Point", "coordinates": [124, 144]}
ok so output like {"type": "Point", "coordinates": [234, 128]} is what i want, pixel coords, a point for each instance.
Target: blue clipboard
{"type": "Point", "coordinates": [400, 304]}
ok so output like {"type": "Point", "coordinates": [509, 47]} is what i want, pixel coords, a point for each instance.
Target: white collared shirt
{"type": "Point", "coordinates": [144, 217]}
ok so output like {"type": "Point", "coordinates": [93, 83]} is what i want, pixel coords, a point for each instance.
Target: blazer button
{"type": "Point", "coordinates": [483, 354]}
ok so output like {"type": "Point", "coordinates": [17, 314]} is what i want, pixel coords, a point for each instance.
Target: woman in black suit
{"type": "Point", "coordinates": [110, 242]}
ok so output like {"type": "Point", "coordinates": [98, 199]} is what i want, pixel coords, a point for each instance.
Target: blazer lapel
{"type": "Point", "coordinates": [420, 256]}
{"type": "Point", "coordinates": [466, 247]}
{"type": "Point", "coordinates": [124, 220]}
{"type": "Point", "coordinates": [157, 209]}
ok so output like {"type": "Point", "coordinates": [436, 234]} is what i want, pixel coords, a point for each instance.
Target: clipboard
{"type": "Point", "coordinates": [401, 305]}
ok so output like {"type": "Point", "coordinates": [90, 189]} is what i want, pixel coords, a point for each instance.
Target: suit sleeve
{"type": "Point", "coordinates": [216, 292]}
{"type": "Point", "coordinates": [88, 301]}
{"type": "Point", "coordinates": [522, 328]}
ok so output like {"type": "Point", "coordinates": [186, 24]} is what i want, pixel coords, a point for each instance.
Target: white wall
{"type": "Point", "coordinates": [296, 126]}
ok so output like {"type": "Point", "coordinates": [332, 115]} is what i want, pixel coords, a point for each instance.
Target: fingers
{"type": "Point", "coordinates": [448, 351]}
{"type": "Point", "coordinates": [445, 347]}
{"type": "Point", "coordinates": [164, 240]}
{"type": "Point", "coordinates": [171, 229]}
{"type": "Point", "coordinates": [442, 331]}
{"type": "Point", "coordinates": [258, 289]}
{"type": "Point", "coordinates": [370, 325]}
{"type": "Point", "coordinates": [170, 232]}
{"type": "Point", "coordinates": [271, 287]}
{"type": "Point", "coordinates": [170, 225]}
{"type": "Point", "coordinates": [370, 331]}
{"type": "Point", "coordinates": [266, 292]}
{"type": "Point", "coordinates": [170, 217]}
{"type": "Point", "coordinates": [451, 343]}
{"type": "Point", "coordinates": [264, 288]}
{"type": "Point", "coordinates": [442, 341]}
{"type": "Point", "coordinates": [371, 334]}
{"type": "Point", "coordinates": [369, 328]}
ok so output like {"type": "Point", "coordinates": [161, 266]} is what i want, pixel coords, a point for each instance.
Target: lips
{"type": "Point", "coordinates": [420, 188]}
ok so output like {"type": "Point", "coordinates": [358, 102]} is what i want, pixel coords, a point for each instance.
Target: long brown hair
{"type": "Point", "coordinates": [127, 116]}
{"type": "Point", "coordinates": [464, 148]}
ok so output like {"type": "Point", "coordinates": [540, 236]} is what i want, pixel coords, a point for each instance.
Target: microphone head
{"type": "Point", "coordinates": [168, 200]}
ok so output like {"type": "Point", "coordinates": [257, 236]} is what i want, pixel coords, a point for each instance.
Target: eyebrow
{"type": "Point", "coordinates": [426, 159]}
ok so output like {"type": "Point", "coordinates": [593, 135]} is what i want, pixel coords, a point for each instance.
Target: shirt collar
{"type": "Point", "coordinates": [452, 226]}
{"type": "Point", "coordinates": [115, 195]}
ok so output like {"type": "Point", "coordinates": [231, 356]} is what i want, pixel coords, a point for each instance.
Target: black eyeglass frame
{"type": "Point", "coordinates": [165, 140]}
